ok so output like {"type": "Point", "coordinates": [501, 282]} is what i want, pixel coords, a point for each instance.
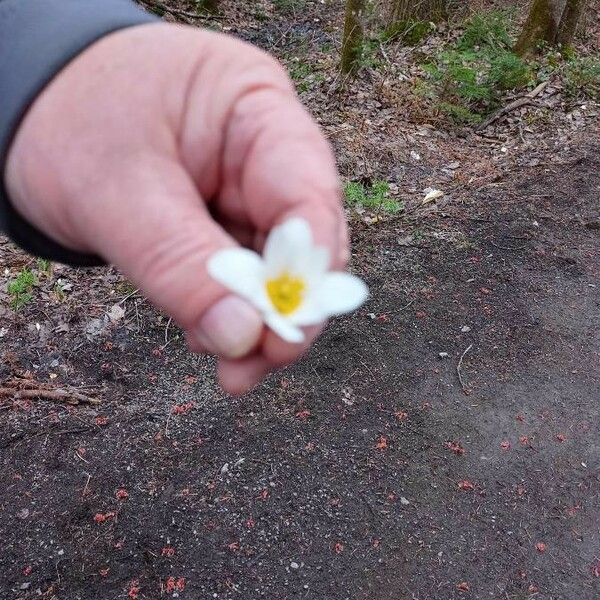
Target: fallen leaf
{"type": "Point", "coordinates": [116, 313]}
{"type": "Point", "coordinates": [432, 195]}
{"type": "Point", "coordinates": [463, 586]}
{"type": "Point", "coordinates": [540, 547]}
{"type": "Point", "coordinates": [465, 484]}
{"type": "Point", "coordinates": [505, 445]}
{"type": "Point", "coordinates": [561, 437]}
{"type": "Point", "coordinates": [338, 548]}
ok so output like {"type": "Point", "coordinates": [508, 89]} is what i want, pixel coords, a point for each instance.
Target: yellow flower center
{"type": "Point", "coordinates": [286, 292]}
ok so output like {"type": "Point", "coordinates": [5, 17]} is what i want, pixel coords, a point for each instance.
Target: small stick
{"type": "Point", "coordinates": [458, 368]}
{"type": "Point", "coordinates": [59, 395]}
{"type": "Point", "coordinates": [521, 101]}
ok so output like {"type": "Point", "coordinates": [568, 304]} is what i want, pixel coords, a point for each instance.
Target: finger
{"type": "Point", "coordinates": [279, 165]}
{"type": "Point", "coordinates": [155, 228]}
{"type": "Point", "coordinates": [239, 376]}
{"type": "Point", "coordinates": [281, 353]}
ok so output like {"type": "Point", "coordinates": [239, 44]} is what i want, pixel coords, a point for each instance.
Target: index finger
{"type": "Point", "coordinates": [286, 169]}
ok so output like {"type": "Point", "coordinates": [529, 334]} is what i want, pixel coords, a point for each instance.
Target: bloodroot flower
{"type": "Point", "coordinates": [290, 284]}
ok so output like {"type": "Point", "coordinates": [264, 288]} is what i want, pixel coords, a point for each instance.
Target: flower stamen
{"type": "Point", "coordinates": [286, 292]}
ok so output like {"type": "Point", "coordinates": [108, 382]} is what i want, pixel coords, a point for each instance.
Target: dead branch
{"type": "Point", "coordinates": [517, 103]}
{"type": "Point", "coordinates": [19, 390]}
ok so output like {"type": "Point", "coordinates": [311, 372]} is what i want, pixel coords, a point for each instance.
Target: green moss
{"type": "Point", "coordinates": [375, 198]}
{"type": "Point", "coordinates": [582, 78]}
{"type": "Point", "coordinates": [410, 32]}
{"type": "Point", "coordinates": [20, 289]}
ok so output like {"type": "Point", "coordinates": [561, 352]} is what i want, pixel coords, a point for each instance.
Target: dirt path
{"type": "Point", "coordinates": [365, 472]}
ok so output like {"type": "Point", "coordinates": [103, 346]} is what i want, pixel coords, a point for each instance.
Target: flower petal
{"type": "Point", "coordinates": [284, 328]}
{"type": "Point", "coordinates": [338, 293]}
{"type": "Point", "coordinates": [310, 313]}
{"type": "Point", "coordinates": [288, 246]}
{"type": "Point", "coordinates": [316, 266]}
{"type": "Point", "coordinates": [241, 271]}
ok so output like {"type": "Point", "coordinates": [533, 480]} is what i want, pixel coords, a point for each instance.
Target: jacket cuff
{"type": "Point", "coordinates": [37, 39]}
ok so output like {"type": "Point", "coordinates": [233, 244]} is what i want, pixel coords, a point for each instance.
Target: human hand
{"type": "Point", "coordinates": [160, 145]}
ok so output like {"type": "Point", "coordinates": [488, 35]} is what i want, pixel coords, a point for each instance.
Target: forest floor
{"type": "Point", "coordinates": [442, 442]}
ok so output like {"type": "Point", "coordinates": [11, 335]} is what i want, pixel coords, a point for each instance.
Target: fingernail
{"type": "Point", "coordinates": [229, 328]}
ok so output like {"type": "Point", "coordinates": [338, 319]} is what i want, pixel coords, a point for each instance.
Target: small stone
{"type": "Point", "coordinates": [444, 355]}
{"type": "Point", "coordinates": [465, 329]}
{"type": "Point", "coordinates": [404, 501]}
{"type": "Point", "coordinates": [25, 585]}
{"type": "Point", "coordinates": [294, 565]}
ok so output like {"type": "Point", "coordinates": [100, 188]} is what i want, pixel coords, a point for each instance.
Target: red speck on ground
{"type": "Point", "coordinates": [27, 570]}
{"type": "Point", "coordinates": [264, 494]}
{"type": "Point", "coordinates": [533, 589]}
{"type": "Point", "coordinates": [134, 589]}
{"type": "Point", "coordinates": [520, 418]}
{"type": "Point", "coordinates": [174, 585]}
{"type": "Point", "coordinates": [561, 437]}
{"type": "Point", "coordinates": [182, 409]}
{"type": "Point", "coordinates": [101, 421]}
{"type": "Point", "coordinates": [401, 415]}
{"type": "Point", "coordinates": [103, 572]}
{"type": "Point", "coordinates": [338, 548]}
{"type": "Point", "coordinates": [524, 440]}
{"type": "Point", "coordinates": [156, 352]}
{"type": "Point", "coordinates": [168, 551]}
{"type": "Point", "coordinates": [392, 497]}
{"type": "Point", "coordinates": [122, 494]}
{"type": "Point", "coordinates": [250, 523]}
{"type": "Point", "coordinates": [420, 314]}
{"type": "Point", "coordinates": [463, 586]}
{"type": "Point", "coordinates": [233, 547]}
{"type": "Point", "coordinates": [485, 291]}
{"type": "Point", "coordinates": [376, 543]}
{"type": "Point", "coordinates": [521, 490]}
{"type": "Point", "coordinates": [465, 484]}
{"type": "Point", "coordinates": [572, 510]}
{"type": "Point", "coordinates": [381, 443]}
{"type": "Point", "coordinates": [455, 447]}
{"type": "Point", "coordinates": [303, 414]}
{"type": "Point", "coordinates": [102, 517]}
{"type": "Point", "coordinates": [596, 570]}
{"type": "Point", "coordinates": [540, 547]}
{"type": "Point", "coordinates": [505, 445]}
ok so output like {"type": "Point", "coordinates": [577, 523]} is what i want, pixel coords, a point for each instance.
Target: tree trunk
{"type": "Point", "coordinates": [569, 21]}
{"type": "Point", "coordinates": [418, 10]}
{"type": "Point", "coordinates": [541, 25]}
{"type": "Point", "coordinates": [353, 35]}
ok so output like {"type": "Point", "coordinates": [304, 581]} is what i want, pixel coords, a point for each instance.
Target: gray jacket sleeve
{"type": "Point", "coordinates": [37, 39]}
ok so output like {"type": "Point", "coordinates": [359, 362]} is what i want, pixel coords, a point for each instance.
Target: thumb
{"type": "Point", "coordinates": [156, 229]}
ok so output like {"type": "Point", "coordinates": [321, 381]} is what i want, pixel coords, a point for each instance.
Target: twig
{"type": "Point", "coordinates": [521, 101]}
{"type": "Point", "coordinates": [465, 389]}
{"type": "Point", "coordinates": [57, 395]}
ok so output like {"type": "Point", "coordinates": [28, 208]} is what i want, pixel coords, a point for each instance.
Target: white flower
{"type": "Point", "coordinates": [290, 284]}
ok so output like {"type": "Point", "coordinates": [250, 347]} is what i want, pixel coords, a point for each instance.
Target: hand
{"type": "Point", "coordinates": [159, 145]}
